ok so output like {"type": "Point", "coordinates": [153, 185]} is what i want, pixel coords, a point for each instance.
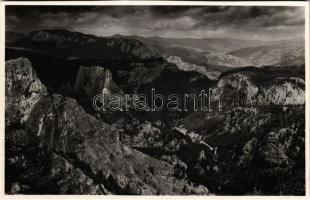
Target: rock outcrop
{"type": "Point", "coordinates": [227, 60]}
{"type": "Point", "coordinates": [94, 147]}
{"type": "Point", "coordinates": [63, 148]}
{"type": "Point", "coordinates": [288, 92]}
{"type": "Point", "coordinates": [94, 80]}
{"type": "Point", "coordinates": [23, 90]}
{"type": "Point", "coordinates": [184, 66]}
{"type": "Point", "coordinates": [242, 89]}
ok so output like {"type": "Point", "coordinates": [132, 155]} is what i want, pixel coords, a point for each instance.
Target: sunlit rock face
{"type": "Point", "coordinates": [227, 60]}
{"type": "Point", "coordinates": [184, 66]}
{"type": "Point", "coordinates": [241, 85]}
{"type": "Point", "coordinates": [240, 88]}
{"type": "Point", "coordinates": [23, 90]}
{"type": "Point", "coordinates": [288, 92]}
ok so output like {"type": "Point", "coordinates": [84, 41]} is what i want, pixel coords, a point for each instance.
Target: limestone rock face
{"type": "Point", "coordinates": [240, 88]}
{"type": "Point", "coordinates": [184, 66]}
{"type": "Point", "coordinates": [94, 80]}
{"type": "Point", "coordinates": [23, 90]}
{"type": "Point", "coordinates": [241, 85]}
{"type": "Point", "coordinates": [290, 92]}
{"type": "Point", "coordinates": [94, 147]}
{"type": "Point", "coordinates": [90, 80]}
{"type": "Point", "coordinates": [227, 60]}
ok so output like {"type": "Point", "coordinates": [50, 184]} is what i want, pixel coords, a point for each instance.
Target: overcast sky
{"type": "Point", "coordinates": [243, 22]}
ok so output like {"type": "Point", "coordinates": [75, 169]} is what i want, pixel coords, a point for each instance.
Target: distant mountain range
{"type": "Point", "coordinates": [70, 45]}
{"type": "Point", "coordinates": [218, 45]}
{"type": "Point", "coordinates": [221, 53]}
{"type": "Point", "coordinates": [280, 53]}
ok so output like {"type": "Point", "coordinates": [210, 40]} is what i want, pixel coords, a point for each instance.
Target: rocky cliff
{"type": "Point", "coordinates": [184, 66]}
{"type": "Point", "coordinates": [64, 149]}
{"type": "Point", "coordinates": [245, 88]}
{"type": "Point", "coordinates": [23, 90]}
{"type": "Point", "coordinates": [91, 81]}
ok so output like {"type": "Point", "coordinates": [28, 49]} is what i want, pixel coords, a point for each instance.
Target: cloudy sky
{"type": "Point", "coordinates": [240, 22]}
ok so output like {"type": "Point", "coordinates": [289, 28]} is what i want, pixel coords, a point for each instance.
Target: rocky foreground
{"type": "Point", "coordinates": [59, 148]}
{"type": "Point", "coordinates": [55, 145]}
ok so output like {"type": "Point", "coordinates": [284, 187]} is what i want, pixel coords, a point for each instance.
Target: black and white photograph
{"type": "Point", "coordinates": [155, 100]}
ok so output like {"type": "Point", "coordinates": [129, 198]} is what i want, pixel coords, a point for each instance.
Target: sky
{"type": "Point", "coordinates": [239, 22]}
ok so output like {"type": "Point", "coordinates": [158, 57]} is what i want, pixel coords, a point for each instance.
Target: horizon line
{"type": "Point", "coordinates": [154, 36]}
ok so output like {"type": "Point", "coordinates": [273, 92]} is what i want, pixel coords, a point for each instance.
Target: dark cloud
{"type": "Point", "coordinates": [253, 22]}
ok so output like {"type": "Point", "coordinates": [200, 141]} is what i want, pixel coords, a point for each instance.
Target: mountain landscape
{"type": "Point", "coordinates": [57, 143]}
{"type": "Point", "coordinates": [279, 53]}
